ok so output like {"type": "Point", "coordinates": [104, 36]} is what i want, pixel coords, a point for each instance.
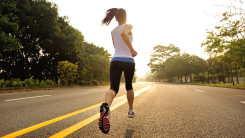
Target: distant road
{"type": "Point", "coordinates": [162, 110]}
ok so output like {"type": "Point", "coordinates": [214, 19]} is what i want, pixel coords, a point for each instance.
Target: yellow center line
{"type": "Point", "coordinates": [29, 129]}
{"type": "Point", "coordinates": [87, 121]}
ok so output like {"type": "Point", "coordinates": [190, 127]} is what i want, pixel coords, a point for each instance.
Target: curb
{"type": "Point", "coordinates": [41, 89]}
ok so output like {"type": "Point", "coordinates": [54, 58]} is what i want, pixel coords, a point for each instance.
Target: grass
{"type": "Point", "coordinates": [230, 85]}
{"type": "Point", "coordinates": [227, 85]}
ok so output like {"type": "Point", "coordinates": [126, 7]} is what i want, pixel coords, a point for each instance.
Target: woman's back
{"type": "Point", "coordinates": [121, 48]}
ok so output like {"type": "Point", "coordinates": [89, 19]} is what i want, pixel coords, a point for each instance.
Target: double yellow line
{"type": "Point", "coordinates": [74, 127]}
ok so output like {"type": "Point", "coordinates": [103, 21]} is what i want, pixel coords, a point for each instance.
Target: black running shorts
{"type": "Point", "coordinates": [116, 69]}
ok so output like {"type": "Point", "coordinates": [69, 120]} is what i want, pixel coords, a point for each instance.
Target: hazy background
{"type": "Point", "coordinates": [179, 22]}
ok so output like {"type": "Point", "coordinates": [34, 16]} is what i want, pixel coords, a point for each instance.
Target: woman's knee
{"type": "Point", "coordinates": [115, 89]}
{"type": "Point", "coordinates": [129, 87]}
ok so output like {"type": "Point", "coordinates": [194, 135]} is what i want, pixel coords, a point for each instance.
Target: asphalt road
{"type": "Point", "coordinates": [163, 110]}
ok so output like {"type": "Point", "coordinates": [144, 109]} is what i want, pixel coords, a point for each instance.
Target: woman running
{"type": "Point", "coordinates": [123, 60]}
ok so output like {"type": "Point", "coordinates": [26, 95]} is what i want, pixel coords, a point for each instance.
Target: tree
{"type": "Point", "coordinates": [34, 39]}
{"type": "Point", "coordinates": [160, 55]}
{"type": "Point", "coordinates": [68, 72]}
{"type": "Point", "coordinates": [9, 27]}
{"type": "Point", "coordinates": [36, 24]}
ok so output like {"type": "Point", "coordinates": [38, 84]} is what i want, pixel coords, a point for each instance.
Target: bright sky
{"type": "Point", "coordinates": [180, 22]}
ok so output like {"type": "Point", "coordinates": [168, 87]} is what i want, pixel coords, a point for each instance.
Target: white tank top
{"type": "Point", "coordinates": [121, 48]}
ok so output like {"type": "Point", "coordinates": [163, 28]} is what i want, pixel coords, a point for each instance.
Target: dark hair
{"type": "Point", "coordinates": [119, 13]}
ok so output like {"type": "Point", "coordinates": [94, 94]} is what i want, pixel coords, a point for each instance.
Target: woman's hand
{"type": "Point", "coordinates": [134, 53]}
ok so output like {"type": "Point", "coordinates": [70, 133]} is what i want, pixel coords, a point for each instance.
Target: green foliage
{"type": "Point", "coordinates": [83, 82]}
{"type": "Point", "coordinates": [29, 82]}
{"type": "Point", "coordinates": [175, 65]}
{"type": "Point", "coordinates": [227, 41]}
{"type": "Point", "coordinates": [59, 84]}
{"type": "Point", "coordinates": [9, 24]}
{"type": "Point", "coordinates": [37, 83]}
{"type": "Point", "coordinates": [16, 82]}
{"type": "Point", "coordinates": [94, 64]}
{"type": "Point", "coordinates": [7, 83]}
{"type": "Point", "coordinates": [210, 77]}
{"type": "Point", "coordinates": [48, 82]}
{"type": "Point", "coordinates": [194, 78]}
{"type": "Point", "coordinates": [26, 83]}
{"type": "Point", "coordinates": [104, 82]}
{"type": "Point", "coordinates": [42, 83]}
{"type": "Point", "coordinates": [52, 83]}
{"type": "Point", "coordinates": [95, 82]}
{"type": "Point", "coordinates": [241, 73]}
{"type": "Point", "coordinates": [160, 55]}
{"type": "Point", "coordinates": [200, 78]}
{"type": "Point", "coordinates": [68, 72]}
{"type": "Point", "coordinates": [34, 39]}
{"type": "Point", "coordinates": [2, 81]}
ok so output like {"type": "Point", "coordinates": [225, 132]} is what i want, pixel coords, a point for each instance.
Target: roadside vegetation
{"type": "Point", "coordinates": [40, 49]}
{"type": "Point", "coordinates": [226, 46]}
{"type": "Point", "coordinates": [224, 85]}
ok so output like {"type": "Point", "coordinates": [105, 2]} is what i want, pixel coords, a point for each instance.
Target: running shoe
{"type": "Point", "coordinates": [104, 123]}
{"type": "Point", "coordinates": [131, 114]}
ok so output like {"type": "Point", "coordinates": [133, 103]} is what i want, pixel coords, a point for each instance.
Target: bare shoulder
{"type": "Point", "coordinates": [129, 26]}
{"type": "Point", "coordinates": [127, 29]}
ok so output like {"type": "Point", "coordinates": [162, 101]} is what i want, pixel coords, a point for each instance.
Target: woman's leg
{"type": "Point", "coordinates": [115, 76]}
{"type": "Point", "coordinates": [130, 96]}
{"type": "Point", "coordinates": [110, 96]}
{"type": "Point", "coordinates": [129, 74]}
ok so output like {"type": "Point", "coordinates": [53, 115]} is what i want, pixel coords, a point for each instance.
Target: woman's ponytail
{"type": "Point", "coordinates": [109, 16]}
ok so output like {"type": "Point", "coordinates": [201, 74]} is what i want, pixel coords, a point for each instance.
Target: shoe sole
{"type": "Point", "coordinates": [130, 116]}
{"type": "Point", "coordinates": [104, 124]}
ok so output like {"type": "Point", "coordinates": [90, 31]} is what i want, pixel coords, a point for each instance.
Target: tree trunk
{"type": "Point", "coordinates": [236, 75]}
{"type": "Point", "coordinates": [208, 77]}
{"type": "Point", "coordinates": [185, 79]}
{"type": "Point", "coordinates": [196, 77]}
{"type": "Point", "coordinates": [213, 76]}
{"type": "Point", "coordinates": [231, 75]}
{"type": "Point", "coordinates": [222, 69]}
{"type": "Point", "coordinates": [224, 74]}
{"type": "Point", "coordinates": [171, 78]}
{"type": "Point", "coordinates": [228, 77]}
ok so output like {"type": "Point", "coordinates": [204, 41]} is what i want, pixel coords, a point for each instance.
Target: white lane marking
{"type": "Point", "coordinates": [199, 91]}
{"type": "Point", "coordinates": [27, 98]}
{"type": "Point", "coordinates": [242, 102]}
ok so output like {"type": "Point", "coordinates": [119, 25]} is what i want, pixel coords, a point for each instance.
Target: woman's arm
{"type": "Point", "coordinates": [127, 29]}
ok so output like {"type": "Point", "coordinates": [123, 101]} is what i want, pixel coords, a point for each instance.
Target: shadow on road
{"type": "Point", "coordinates": [129, 133]}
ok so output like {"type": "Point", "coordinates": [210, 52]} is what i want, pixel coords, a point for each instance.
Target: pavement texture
{"type": "Point", "coordinates": [164, 110]}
